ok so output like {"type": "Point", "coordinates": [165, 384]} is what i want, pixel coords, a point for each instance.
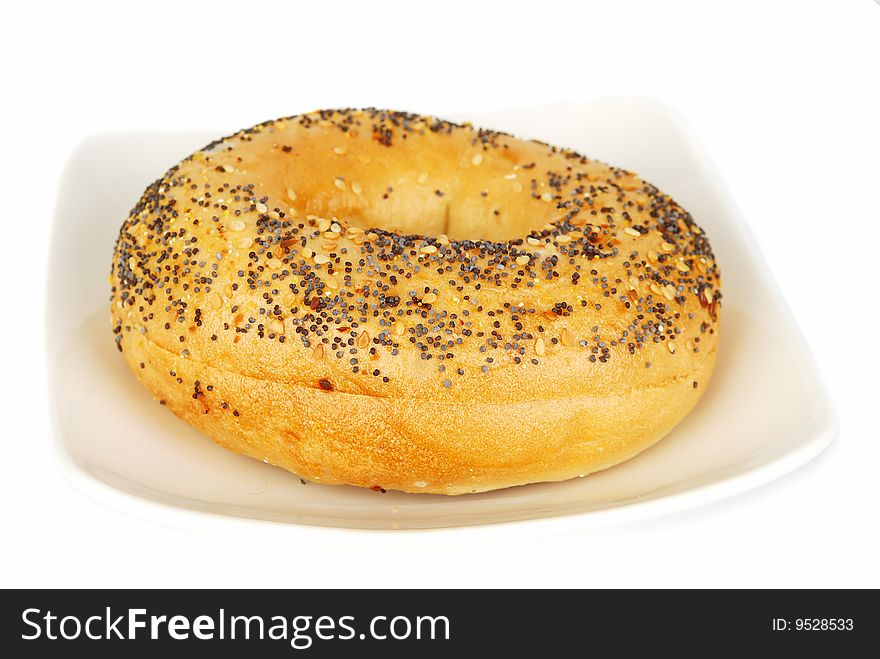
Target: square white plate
{"type": "Point", "coordinates": [764, 413]}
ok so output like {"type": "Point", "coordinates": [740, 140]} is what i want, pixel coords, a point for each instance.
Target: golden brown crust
{"type": "Point", "coordinates": [389, 300]}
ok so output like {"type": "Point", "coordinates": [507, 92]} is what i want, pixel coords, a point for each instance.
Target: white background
{"type": "Point", "coordinates": [785, 95]}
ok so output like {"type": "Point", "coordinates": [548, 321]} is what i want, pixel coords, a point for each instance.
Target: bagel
{"type": "Point", "coordinates": [394, 301]}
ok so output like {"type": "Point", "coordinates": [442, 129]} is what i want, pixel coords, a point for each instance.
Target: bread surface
{"type": "Point", "coordinates": [398, 302]}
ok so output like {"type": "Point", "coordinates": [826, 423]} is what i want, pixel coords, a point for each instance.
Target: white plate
{"type": "Point", "coordinates": [764, 413]}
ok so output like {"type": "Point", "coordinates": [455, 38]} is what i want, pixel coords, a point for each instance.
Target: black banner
{"type": "Point", "coordinates": [317, 623]}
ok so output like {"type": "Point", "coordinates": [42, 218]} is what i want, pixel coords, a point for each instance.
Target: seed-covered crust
{"type": "Point", "coordinates": [394, 301]}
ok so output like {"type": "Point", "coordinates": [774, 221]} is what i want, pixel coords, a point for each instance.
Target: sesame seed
{"type": "Point", "coordinates": [539, 347]}
{"type": "Point", "coordinates": [534, 242]}
{"type": "Point", "coordinates": [632, 232]}
{"type": "Point", "coordinates": [273, 263]}
{"type": "Point", "coordinates": [428, 249]}
{"type": "Point", "coordinates": [429, 298]}
{"type": "Point", "coordinates": [667, 247]}
{"type": "Point", "coordinates": [236, 225]}
{"type": "Point", "coordinates": [291, 194]}
{"type": "Point", "coordinates": [399, 328]}
{"type": "Point", "coordinates": [522, 260]}
{"type": "Point", "coordinates": [261, 207]}
{"type": "Point", "coordinates": [276, 326]}
{"type": "Point", "coordinates": [669, 292]}
{"type": "Point", "coordinates": [244, 242]}
{"type": "Point", "coordinates": [477, 159]}
{"type": "Point", "coordinates": [363, 340]}
{"type": "Point", "coordinates": [318, 352]}
{"type": "Point", "coordinates": [546, 197]}
{"type": "Point", "coordinates": [356, 187]}
{"type": "Point", "coordinates": [671, 346]}
{"type": "Point", "coordinates": [339, 183]}
{"type": "Point", "coordinates": [320, 259]}
{"type": "Point", "coordinates": [565, 338]}
{"type": "Point", "coordinates": [339, 150]}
